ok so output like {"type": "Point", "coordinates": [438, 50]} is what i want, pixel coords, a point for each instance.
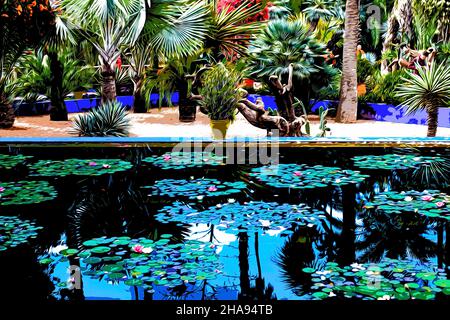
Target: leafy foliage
{"type": "Point", "coordinates": [394, 161]}
{"type": "Point", "coordinates": [108, 120]}
{"type": "Point", "coordinates": [219, 93]}
{"type": "Point", "coordinates": [8, 161]}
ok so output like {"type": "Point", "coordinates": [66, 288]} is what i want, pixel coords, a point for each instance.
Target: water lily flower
{"type": "Point", "coordinates": [298, 173]}
{"type": "Point", "coordinates": [92, 163]}
{"type": "Point", "coordinates": [332, 294]}
{"type": "Point", "coordinates": [106, 166]}
{"type": "Point", "coordinates": [167, 157]}
{"type": "Point", "coordinates": [212, 246]}
{"type": "Point", "coordinates": [440, 204]}
{"type": "Point", "coordinates": [147, 250]}
{"type": "Point", "coordinates": [138, 248]}
{"type": "Point", "coordinates": [385, 297]}
{"type": "Point", "coordinates": [212, 188]}
{"type": "Point", "coordinates": [427, 198]}
{"type": "Point", "coordinates": [2, 189]}
{"type": "Point", "coordinates": [338, 180]}
{"type": "Point", "coordinates": [408, 198]}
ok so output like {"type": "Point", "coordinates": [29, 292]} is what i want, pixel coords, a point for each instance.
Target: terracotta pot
{"type": "Point", "coordinates": [219, 128]}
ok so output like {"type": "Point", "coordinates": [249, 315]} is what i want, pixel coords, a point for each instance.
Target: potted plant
{"type": "Point", "coordinates": [219, 98]}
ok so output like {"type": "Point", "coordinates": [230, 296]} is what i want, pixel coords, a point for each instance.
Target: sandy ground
{"type": "Point", "coordinates": [164, 123]}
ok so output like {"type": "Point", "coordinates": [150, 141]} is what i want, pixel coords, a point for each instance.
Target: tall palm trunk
{"type": "Point", "coordinates": [7, 116]}
{"type": "Point", "coordinates": [432, 121]}
{"type": "Point", "coordinates": [108, 83]}
{"type": "Point", "coordinates": [139, 104]}
{"type": "Point", "coordinates": [58, 110]}
{"type": "Point", "coordinates": [348, 104]}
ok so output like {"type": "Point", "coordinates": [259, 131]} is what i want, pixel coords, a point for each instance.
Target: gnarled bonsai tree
{"type": "Point", "coordinates": [291, 61]}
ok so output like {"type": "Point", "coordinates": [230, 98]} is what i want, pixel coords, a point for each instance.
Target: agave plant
{"type": "Point", "coordinates": [427, 90]}
{"type": "Point", "coordinates": [108, 120]}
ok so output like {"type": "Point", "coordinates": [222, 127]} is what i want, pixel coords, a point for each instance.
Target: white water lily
{"type": "Point", "coordinates": [147, 250]}
{"type": "Point", "coordinates": [385, 297]}
{"type": "Point", "coordinates": [408, 198]}
{"type": "Point", "coordinates": [332, 294]}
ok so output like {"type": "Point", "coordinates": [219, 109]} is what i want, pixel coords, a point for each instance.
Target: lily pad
{"type": "Point", "coordinates": [196, 188]}
{"type": "Point", "coordinates": [10, 161]}
{"type": "Point", "coordinates": [249, 216]}
{"type": "Point", "coordinates": [15, 231]}
{"type": "Point", "coordinates": [184, 160]}
{"type": "Point", "coordinates": [394, 161]}
{"type": "Point", "coordinates": [25, 192]}
{"type": "Point", "coordinates": [78, 167]}
{"type": "Point", "coordinates": [302, 176]}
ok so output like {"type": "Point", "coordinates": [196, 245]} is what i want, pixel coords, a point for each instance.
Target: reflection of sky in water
{"type": "Point", "coordinates": [226, 284]}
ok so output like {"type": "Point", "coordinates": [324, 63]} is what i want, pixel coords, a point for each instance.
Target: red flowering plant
{"type": "Point", "coordinates": [231, 5]}
{"type": "Point", "coordinates": [31, 18]}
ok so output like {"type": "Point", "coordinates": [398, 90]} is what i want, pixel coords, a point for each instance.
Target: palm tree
{"type": "Point", "coordinates": [348, 104]}
{"type": "Point", "coordinates": [317, 10]}
{"type": "Point", "coordinates": [427, 90]}
{"type": "Point", "coordinates": [178, 35]}
{"type": "Point", "coordinates": [36, 76]}
{"type": "Point", "coordinates": [108, 26]}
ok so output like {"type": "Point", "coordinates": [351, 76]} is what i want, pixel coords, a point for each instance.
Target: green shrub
{"type": "Point", "coordinates": [219, 93]}
{"type": "Point", "coordinates": [364, 69]}
{"type": "Point", "coordinates": [108, 120]}
{"type": "Point", "coordinates": [382, 88]}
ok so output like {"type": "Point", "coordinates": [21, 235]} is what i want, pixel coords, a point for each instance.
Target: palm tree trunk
{"type": "Point", "coordinates": [7, 116]}
{"type": "Point", "coordinates": [58, 110]}
{"type": "Point", "coordinates": [108, 83]}
{"type": "Point", "coordinates": [432, 121]}
{"type": "Point", "coordinates": [348, 104]}
{"type": "Point", "coordinates": [139, 105]}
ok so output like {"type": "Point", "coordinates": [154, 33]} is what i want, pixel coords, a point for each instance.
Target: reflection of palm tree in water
{"type": "Point", "coordinates": [259, 292]}
{"type": "Point", "coordinates": [299, 252]}
{"type": "Point", "coordinates": [397, 237]}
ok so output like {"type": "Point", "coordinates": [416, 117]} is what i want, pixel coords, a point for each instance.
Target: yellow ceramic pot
{"type": "Point", "coordinates": [219, 128]}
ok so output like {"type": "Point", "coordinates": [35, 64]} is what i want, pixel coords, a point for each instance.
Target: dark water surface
{"type": "Point", "coordinates": [160, 244]}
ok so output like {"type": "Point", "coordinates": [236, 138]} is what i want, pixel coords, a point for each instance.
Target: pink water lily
{"type": "Point", "coordinates": [212, 246]}
{"type": "Point", "coordinates": [138, 248]}
{"type": "Point", "coordinates": [167, 157]}
{"type": "Point", "coordinates": [427, 198]}
{"type": "Point", "coordinates": [440, 204]}
{"type": "Point", "coordinates": [106, 166]}
{"type": "Point", "coordinates": [212, 188]}
{"type": "Point", "coordinates": [2, 189]}
{"type": "Point", "coordinates": [298, 173]}
{"type": "Point", "coordinates": [92, 163]}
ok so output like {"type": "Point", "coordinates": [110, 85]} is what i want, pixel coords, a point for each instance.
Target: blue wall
{"type": "Point", "coordinates": [370, 111]}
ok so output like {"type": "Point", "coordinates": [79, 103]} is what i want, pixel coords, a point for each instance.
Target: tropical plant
{"type": "Point", "coordinates": [110, 119]}
{"type": "Point", "coordinates": [427, 90]}
{"type": "Point", "coordinates": [348, 103]}
{"type": "Point", "coordinates": [22, 25]}
{"type": "Point", "coordinates": [286, 43]}
{"type": "Point", "coordinates": [317, 10]}
{"type": "Point", "coordinates": [364, 70]}
{"type": "Point", "coordinates": [231, 29]}
{"type": "Point", "coordinates": [219, 94]}
{"type": "Point", "coordinates": [35, 75]}
{"type": "Point", "coordinates": [382, 88]}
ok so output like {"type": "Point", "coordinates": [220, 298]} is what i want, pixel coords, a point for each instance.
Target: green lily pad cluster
{"type": "Point", "coordinates": [429, 203]}
{"type": "Point", "coordinates": [394, 161]}
{"type": "Point", "coordinates": [10, 161]}
{"type": "Point", "coordinates": [197, 188]}
{"type": "Point", "coordinates": [387, 280]}
{"type": "Point", "coordinates": [26, 192]}
{"type": "Point", "coordinates": [145, 263]}
{"type": "Point", "coordinates": [183, 160]}
{"type": "Point", "coordinates": [14, 231]}
{"type": "Point", "coordinates": [246, 217]}
{"type": "Point", "coordinates": [302, 176]}
{"type": "Point", "coordinates": [78, 167]}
